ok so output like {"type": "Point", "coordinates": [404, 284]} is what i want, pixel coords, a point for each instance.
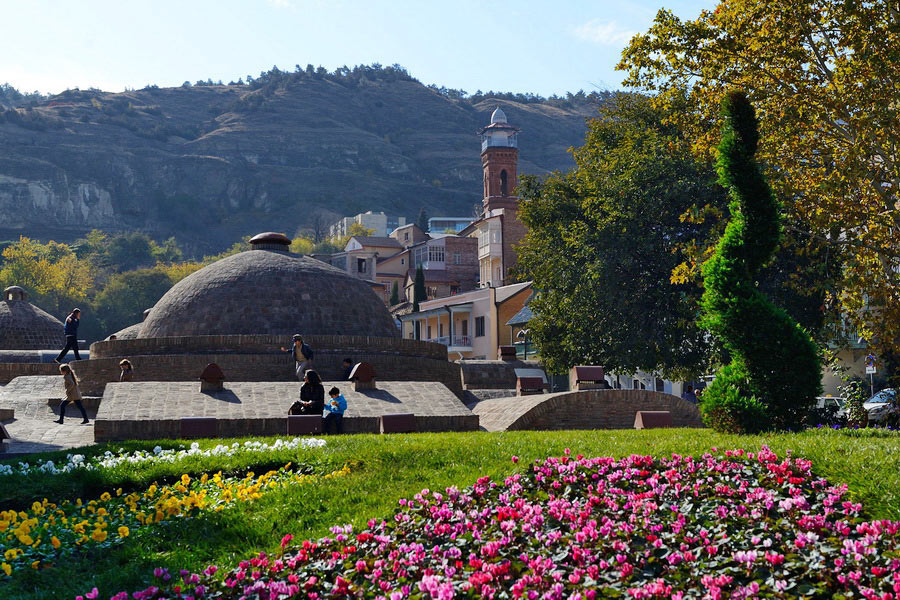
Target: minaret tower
{"type": "Point", "coordinates": [499, 162]}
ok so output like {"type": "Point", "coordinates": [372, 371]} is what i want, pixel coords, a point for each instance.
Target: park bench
{"type": "Point", "coordinates": [198, 427]}
{"type": "Point", "coordinates": [398, 423]}
{"type": "Point", "coordinates": [587, 377]}
{"type": "Point", "coordinates": [304, 424]}
{"type": "Point", "coordinates": [506, 353]}
{"type": "Point", "coordinates": [7, 414]}
{"type": "Point", "coordinates": [529, 385]}
{"type": "Point", "coordinates": [652, 419]}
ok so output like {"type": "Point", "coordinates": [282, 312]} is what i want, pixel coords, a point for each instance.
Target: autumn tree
{"type": "Point", "coordinates": [54, 276]}
{"type": "Point", "coordinates": [823, 75]}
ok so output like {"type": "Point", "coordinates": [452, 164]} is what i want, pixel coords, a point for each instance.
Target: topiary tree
{"type": "Point", "coordinates": [775, 372]}
{"type": "Point", "coordinates": [419, 292]}
{"type": "Point", "coordinates": [395, 294]}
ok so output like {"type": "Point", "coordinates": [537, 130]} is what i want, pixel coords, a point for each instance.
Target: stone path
{"type": "Point", "coordinates": [33, 429]}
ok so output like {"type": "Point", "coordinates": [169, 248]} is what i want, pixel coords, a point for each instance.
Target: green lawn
{"type": "Point", "coordinates": [384, 469]}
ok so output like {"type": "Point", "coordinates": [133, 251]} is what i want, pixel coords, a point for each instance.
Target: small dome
{"type": "Point", "coordinates": [498, 116]}
{"type": "Point", "coordinates": [24, 326]}
{"type": "Point", "coordinates": [276, 293]}
{"type": "Point", "coordinates": [14, 292]}
{"type": "Point", "coordinates": [270, 241]}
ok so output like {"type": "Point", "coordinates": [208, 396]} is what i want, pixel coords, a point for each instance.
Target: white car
{"type": "Point", "coordinates": [835, 403]}
{"type": "Point", "coordinates": [881, 405]}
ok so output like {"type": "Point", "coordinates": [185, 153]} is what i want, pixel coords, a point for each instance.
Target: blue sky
{"type": "Point", "coordinates": [543, 47]}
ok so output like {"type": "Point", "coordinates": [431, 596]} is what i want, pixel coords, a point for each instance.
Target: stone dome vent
{"type": "Point", "coordinates": [270, 241]}
{"type": "Point", "coordinates": [498, 116]}
{"type": "Point", "coordinates": [274, 293]}
{"type": "Point", "coordinates": [24, 326]}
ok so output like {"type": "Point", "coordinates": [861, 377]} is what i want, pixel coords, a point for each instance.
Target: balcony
{"type": "Point", "coordinates": [458, 343]}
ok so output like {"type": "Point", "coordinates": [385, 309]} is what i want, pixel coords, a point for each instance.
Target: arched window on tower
{"type": "Point", "coordinates": [503, 188]}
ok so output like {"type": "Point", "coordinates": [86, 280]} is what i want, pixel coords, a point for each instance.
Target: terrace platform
{"type": "Point", "coordinates": [154, 409]}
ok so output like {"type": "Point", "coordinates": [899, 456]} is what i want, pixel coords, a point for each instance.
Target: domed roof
{"type": "Point", "coordinates": [24, 326]}
{"type": "Point", "coordinates": [269, 292]}
{"type": "Point", "coordinates": [498, 116]}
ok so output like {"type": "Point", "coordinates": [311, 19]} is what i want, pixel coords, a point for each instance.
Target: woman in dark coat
{"type": "Point", "coordinates": [312, 395]}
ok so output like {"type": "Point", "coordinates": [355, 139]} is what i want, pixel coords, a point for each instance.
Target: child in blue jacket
{"type": "Point", "coordinates": [334, 411]}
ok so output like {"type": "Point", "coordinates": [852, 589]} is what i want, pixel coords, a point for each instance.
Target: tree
{"type": "Point", "coordinates": [126, 295]}
{"type": "Point", "coordinates": [775, 373]}
{"type": "Point", "coordinates": [419, 293]}
{"type": "Point", "coordinates": [825, 93]}
{"type": "Point", "coordinates": [422, 220]}
{"type": "Point", "coordinates": [603, 240]}
{"type": "Point", "coordinates": [395, 294]}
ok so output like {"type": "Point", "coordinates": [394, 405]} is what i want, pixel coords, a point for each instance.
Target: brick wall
{"type": "Point", "coordinates": [604, 409]}
{"type": "Point", "coordinates": [96, 373]}
{"type": "Point", "coordinates": [513, 231]}
{"type": "Point", "coordinates": [466, 273]}
{"type": "Point", "coordinates": [9, 371]}
{"type": "Point", "coordinates": [493, 374]}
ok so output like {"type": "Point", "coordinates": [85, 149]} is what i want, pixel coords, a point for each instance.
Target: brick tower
{"type": "Point", "coordinates": [499, 163]}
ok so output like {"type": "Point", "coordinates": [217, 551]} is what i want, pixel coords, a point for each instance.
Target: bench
{"type": "Point", "coordinates": [529, 385]}
{"type": "Point", "coordinates": [652, 419]}
{"type": "Point", "coordinates": [587, 377]}
{"type": "Point", "coordinates": [506, 353]}
{"type": "Point", "coordinates": [198, 427]}
{"type": "Point", "coordinates": [304, 424]}
{"type": "Point", "coordinates": [398, 423]}
{"type": "Point", "coordinates": [7, 414]}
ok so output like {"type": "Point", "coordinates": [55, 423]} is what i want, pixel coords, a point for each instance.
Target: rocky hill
{"type": "Point", "coordinates": [210, 163]}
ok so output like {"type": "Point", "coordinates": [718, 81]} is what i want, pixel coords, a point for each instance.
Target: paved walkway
{"type": "Point", "coordinates": [33, 428]}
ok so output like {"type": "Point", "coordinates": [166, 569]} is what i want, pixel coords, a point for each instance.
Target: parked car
{"type": "Point", "coordinates": [833, 405]}
{"type": "Point", "coordinates": [882, 405]}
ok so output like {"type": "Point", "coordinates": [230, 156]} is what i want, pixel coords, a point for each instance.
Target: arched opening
{"type": "Point", "coordinates": [503, 185]}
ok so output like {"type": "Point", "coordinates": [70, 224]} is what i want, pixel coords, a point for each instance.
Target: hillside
{"type": "Point", "coordinates": [210, 163]}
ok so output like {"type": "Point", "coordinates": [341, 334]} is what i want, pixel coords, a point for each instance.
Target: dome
{"type": "Point", "coordinates": [24, 326]}
{"type": "Point", "coordinates": [269, 292]}
{"type": "Point", "coordinates": [498, 116]}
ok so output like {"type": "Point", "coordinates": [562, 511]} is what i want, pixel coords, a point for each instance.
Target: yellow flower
{"type": "Point", "coordinates": [99, 535]}
{"type": "Point", "coordinates": [34, 565]}
{"type": "Point", "coordinates": [4, 525]}
{"type": "Point", "coordinates": [26, 540]}
{"type": "Point", "coordinates": [105, 496]}
{"type": "Point", "coordinates": [11, 554]}
{"type": "Point", "coordinates": [186, 479]}
{"type": "Point", "coordinates": [119, 492]}
{"type": "Point", "coordinates": [6, 569]}
{"type": "Point", "coordinates": [123, 532]}
{"type": "Point", "coordinates": [55, 541]}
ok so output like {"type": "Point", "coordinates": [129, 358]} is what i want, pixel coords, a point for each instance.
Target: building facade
{"type": "Point", "coordinates": [448, 224]}
{"type": "Point", "coordinates": [380, 224]}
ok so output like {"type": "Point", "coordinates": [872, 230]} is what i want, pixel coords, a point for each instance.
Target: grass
{"type": "Point", "coordinates": [384, 469]}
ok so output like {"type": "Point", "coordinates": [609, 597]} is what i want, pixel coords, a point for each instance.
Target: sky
{"type": "Point", "coordinates": [543, 47]}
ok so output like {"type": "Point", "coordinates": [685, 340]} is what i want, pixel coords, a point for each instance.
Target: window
{"type": "Point", "coordinates": [503, 183]}
{"type": "Point", "coordinates": [420, 255]}
{"type": "Point", "coordinates": [440, 330]}
{"type": "Point", "coordinates": [402, 261]}
{"type": "Point", "coordinates": [457, 258]}
{"type": "Point", "coordinates": [406, 236]}
{"type": "Point", "coordinates": [436, 253]}
{"type": "Point", "coordinates": [454, 289]}
{"type": "Point", "coordinates": [431, 292]}
{"type": "Point", "coordinates": [479, 326]}
{"type": "Point", "coordinates": [361, 265]}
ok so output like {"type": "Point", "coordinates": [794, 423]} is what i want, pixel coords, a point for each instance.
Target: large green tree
{"type": "Point", "coordinates": [823, 76]}
{"type": "Point", "coordinates": [604, 239]}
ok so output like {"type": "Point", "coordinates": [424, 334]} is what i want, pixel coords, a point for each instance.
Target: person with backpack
{"type": "Point", "coordinates": [71, 331]}
{"type": "Point", "coordinates": [303, 355]}
{"type": "Point", "coordinates": [312, 396]}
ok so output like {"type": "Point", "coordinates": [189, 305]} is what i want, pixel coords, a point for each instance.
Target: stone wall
{"type": "Point", "coordinates": [258, 358]}
{"type": "Point", "coordinates": [493, 374]}
{"type": "Point", "coordinates": [594, 409]}
{"type": "Point", "coordinates": [9, 371]}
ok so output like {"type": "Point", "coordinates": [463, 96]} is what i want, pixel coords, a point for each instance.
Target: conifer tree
{"type": "Point", "coordinates": [775, 372]}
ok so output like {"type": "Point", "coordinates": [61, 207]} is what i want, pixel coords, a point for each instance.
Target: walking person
{"type": "Point", "coordinates": [334, 412]}
{"type": "Point", "coordinates": [73, 394]}
{"type": "Point", "coordinates": [303, 355]}
{"type": "Point", "coordinates": [71, 331]}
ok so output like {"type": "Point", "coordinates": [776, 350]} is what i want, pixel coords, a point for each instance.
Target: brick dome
{"type": "Point", "coordinates": [24, 326]}
{"type": "Point", "coordinates": [269, 292]}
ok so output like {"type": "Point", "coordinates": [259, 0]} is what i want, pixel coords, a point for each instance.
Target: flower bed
{"type": "Point", "coordinates": [109, 460]}
{"type": "Point", "coordinates": [720, 526]}
{"type": "Point", "coordinates": [48, 532]}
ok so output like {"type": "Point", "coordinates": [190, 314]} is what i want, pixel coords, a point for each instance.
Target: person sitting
{"type": "Point", "coordinates": [347, 365]}
{"type": "Point", "coordinates": [127, 373]}
{"type": "Point", "coordinates": [312, 396]}
{"type": "Point", "coordinates": [334, 412]}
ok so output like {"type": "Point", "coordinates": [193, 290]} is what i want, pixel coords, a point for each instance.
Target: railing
{"type": "Point", "coordinates": [457, 341]}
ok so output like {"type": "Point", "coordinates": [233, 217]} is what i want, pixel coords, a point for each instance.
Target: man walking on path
{"type": "Point", "coordinates": [71, 335]}
{"type": "Point", "coordinates": [303, 355]}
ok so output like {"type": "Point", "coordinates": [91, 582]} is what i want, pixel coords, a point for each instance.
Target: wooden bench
{"type": "Point", "coordinates": [198, 427]}
{"type": "Point", "coordinates": [7, 414]}
{"type": "Point", "coordinates": [587, 377]}
{"type": "Point", "coordinates": [506, 353]}
{"type": "Point", "coordinates": [529, 385]}
{"type": "Point", "coordinates": [652, 419]}
{"type": "Point", "coordinates": [398, 423]}
{"type": "Point", "coordinates": [304, 424]}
